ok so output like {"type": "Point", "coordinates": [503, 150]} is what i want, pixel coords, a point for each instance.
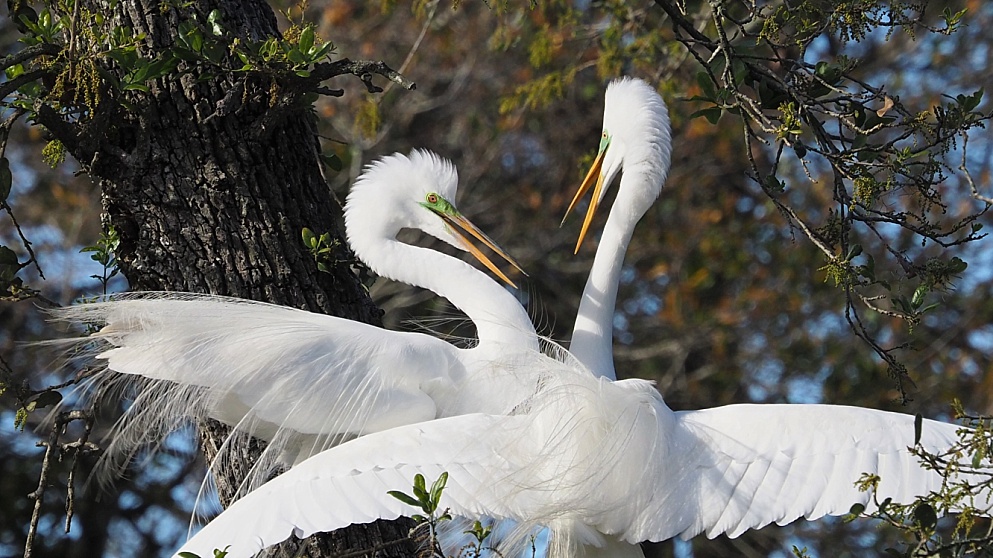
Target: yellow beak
{"type": "Point", "coordinates": [461, 222]}
{"type": "Point", "coordinates": [595, 202]}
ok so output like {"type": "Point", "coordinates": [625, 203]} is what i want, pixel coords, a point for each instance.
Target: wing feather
{"type": "Point", "coordinates": [761, 464]}
{"type": "Point", "coordinates": [298, 379]}
{"type": "Point", "coordinates": [347, 484]}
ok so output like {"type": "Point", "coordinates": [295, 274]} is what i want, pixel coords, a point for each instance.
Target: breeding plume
{"type": "Point", "coordinates": [603, 464]}
{"type": "Point", "coordinates": [304, 381]}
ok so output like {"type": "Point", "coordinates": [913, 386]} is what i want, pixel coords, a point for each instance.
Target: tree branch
{"type": "Point", "coordinates": [364, 69]}
{"type": "Point", "coordinates": [42, 49]}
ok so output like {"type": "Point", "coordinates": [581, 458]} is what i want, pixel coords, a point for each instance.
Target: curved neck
{"type": "Point", "coordinates": [498, 316]}
{"type": "Point", "coordinates": [592, 336]}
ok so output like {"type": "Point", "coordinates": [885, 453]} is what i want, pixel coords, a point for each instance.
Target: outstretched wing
{"type": "Point", "coordinates": [742, 467]}
{"type": "Point", "coordinates": [292, 368]}
{"type": "Point", "coordinates": [297, 378]}
{"type": "Point", "coordinates": [349, 483]}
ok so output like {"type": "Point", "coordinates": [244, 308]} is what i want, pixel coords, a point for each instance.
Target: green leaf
{"type": "Point", "coordinates": [421, 493]}
{"type": "Point", "coordinates": [769, 95]}
{"type": "Point", "coordinates": [438, 487]}
{"type": "Point", "coordinates": [6, 178]}
{"type": "Point", "coordinates": [706, 85]}
{"type": "Point", "coordinates": [929, 307]}
{"type": "Point", "coordinates": [739, 71]}
{"type": "Point", "coordinates": [46, 399]}
{"type": "Point", "coordinates": [296, 57]}
{"type": "Point", "coordinates": [14, 71]}
{"type": "Point", "coordinates": [306, 39]}
{"type": "Point", "coordinates": [774, 184]}
{"type": "Point", "coordinates": [309, 240]}
{"type": "Point", "coordinates": [903, 303]}
{"type": "Point", "coordinates": [918, 426]}
{"type": "Point", "coordinates": [9, 266]}
{"type": "Point", "coordinates": [854, 251]}
{"type": "Point", "coordinates": [853, 513]}
{"type": "Point", "coordinates": [185, 554]}
{"type": "Point", "coordinates": [404, 498]}
{"type": "Point", "coordinates": [800, 149]}
{"type": "Point", "coordinates": [925, 516]}
{"type": "Point", "coordinates": [956, 265]}
{"type": "Point", "coordinates": [712, 114]}
{"type": "Point", "coordinates": [320, 52]}
{"type": "Point", "coordinates": [213, 19]}
{"type": "Point", "coordinates": [870, 267]}
{"type": "Point", "coordinates": [332, 161]}
{"type": "Point", "coordinates": [214, 52]}
{"type": "Point", "coordinates": [161, 67]}
{"type": "Point", "coordinates": [919, 295]}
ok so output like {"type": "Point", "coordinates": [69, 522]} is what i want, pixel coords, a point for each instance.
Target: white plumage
{"type": "Point", "coordinates": [601, 463]}
{"type": "Point", "coordinates": [637, 137]}
{"type": "Point", "coordinates": [306, 381]}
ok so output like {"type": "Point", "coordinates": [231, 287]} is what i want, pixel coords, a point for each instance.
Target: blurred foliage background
{"type": "Point", "coordinates": [731, 290]}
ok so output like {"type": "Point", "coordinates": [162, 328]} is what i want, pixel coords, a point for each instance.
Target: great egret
{"type": "Point", "coordinates": [302, 380]}
{"type": "Point", "coordinates": [637, 137]}
{"type": "Point", "coordinates": [603, 465]}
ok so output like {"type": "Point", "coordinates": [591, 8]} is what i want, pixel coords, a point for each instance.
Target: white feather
{"type": "Point", "coordinates": [304, 381]}
{"type": "Point", "coordinates": [602, 464]}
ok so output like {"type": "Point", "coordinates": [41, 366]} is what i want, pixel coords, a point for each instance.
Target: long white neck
{"type": "Point", "coordinates": [592, 336]}
{"type": "Point", "coordinates": [499, 317]}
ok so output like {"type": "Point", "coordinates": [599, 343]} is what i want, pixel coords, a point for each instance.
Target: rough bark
{"type": "Point", "coordinates": [209, 198]}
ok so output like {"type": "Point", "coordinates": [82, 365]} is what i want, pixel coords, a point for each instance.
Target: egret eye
{"type": "Point", "coordinates": [432, 198]}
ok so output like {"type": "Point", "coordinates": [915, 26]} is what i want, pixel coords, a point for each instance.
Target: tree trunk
{"type": "Point", "coordinates": [209, 184]}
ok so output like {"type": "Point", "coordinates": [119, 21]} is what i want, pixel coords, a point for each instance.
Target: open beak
{"type": "Point", "coordinates": [457, 222]}
{"type": "Point", "coordinates": [595, 171]}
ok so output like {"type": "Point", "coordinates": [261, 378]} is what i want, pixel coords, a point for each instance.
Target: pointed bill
{"type": "Point", "coordinates": [585, 186]}
{"type": "Point", "coordinates": [596, 170]}
{"type": "Point", "coordinates": [461, 222]}
{"type": "Point", "coordinates": [594, 204]}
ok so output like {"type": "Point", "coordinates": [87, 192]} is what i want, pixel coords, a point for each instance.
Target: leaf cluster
{"type": "Point", "coordinates": [321, 247]}
{"type": "Point", "coordinates": [920, 520]}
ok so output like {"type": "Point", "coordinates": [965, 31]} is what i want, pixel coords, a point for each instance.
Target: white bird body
{"type": "Point", "coordinates": [603, 464]}
{"type": "Point", "coordinates": [636, 136]}
{"type": "Point", "coordinates": [305, 381]}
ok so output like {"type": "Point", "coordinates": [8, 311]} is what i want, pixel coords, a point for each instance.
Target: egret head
{"type": "Point", "coordinates": [415, 192]}
{"type": "Point", "coordinates": [635, 134]}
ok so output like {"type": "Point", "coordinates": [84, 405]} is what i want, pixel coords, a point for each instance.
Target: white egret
{"type": "Point", "coordinates": [303, 380]}
{"type": "Point", "coordinates": [637, 137]}
{"type": "Point", "coordinates": [603, 464]}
